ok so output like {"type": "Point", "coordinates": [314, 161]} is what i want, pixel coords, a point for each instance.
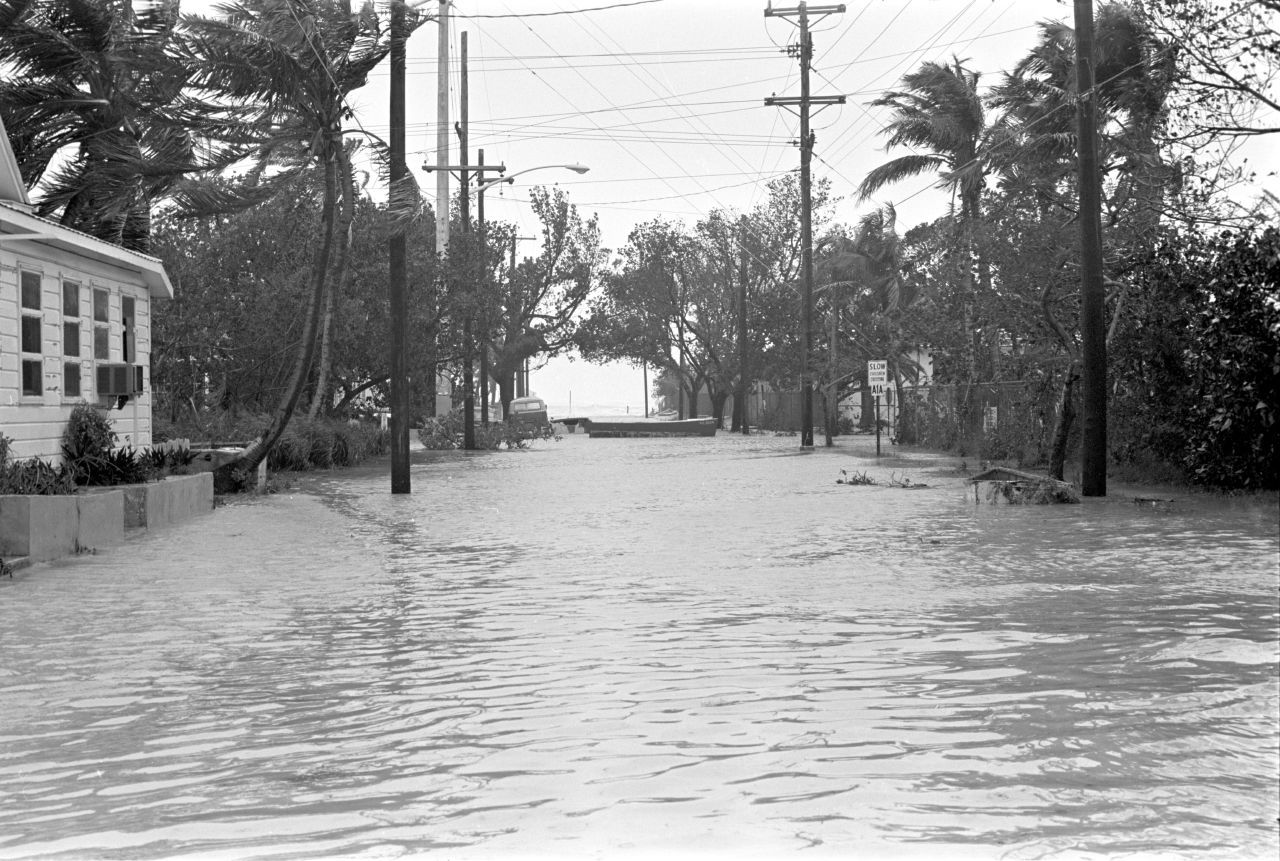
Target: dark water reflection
{"type": "Point", "coordinates": [651, 648]}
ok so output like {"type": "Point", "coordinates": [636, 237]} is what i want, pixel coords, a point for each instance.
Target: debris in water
{"type": "Point", "coordinates": [1023, 488]}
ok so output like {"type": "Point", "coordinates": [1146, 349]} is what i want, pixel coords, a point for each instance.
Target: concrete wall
{"type": "Point", "coordinates": [177, 498]}
{"type": "Point", "coordinates": [41, 528]}
{"type": "Point", "coordinates": [49, 527]}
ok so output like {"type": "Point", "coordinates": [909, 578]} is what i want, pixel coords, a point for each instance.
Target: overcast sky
{"type": "Point", "coordinates": [664, 101]}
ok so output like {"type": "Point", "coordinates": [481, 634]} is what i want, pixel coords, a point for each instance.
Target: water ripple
{"type": "Point", "coordinates": [649, 648]}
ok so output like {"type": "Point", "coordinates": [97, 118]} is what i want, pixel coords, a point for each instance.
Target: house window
{"type": "Point", "coordinates": [71, 379]}
{"type": "Point", "coordinates": [70, 318]}
{"type": "Point", "coordinates": [31, 340]}
{"type": "Point", "coordinates": [128, 336]}
{"type": "Point", "coordinates": [101, 326]}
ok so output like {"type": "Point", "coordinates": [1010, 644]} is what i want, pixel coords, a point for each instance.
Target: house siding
{"type": "Point", "coordinates": [36, 423]}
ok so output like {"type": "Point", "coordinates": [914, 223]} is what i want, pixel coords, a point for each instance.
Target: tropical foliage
{"type": "Point", "coordinates": [280, 272]}
{"type": "Point", "coordinates": [99, 113]}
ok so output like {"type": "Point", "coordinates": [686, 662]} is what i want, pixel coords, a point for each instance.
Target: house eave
{"type": "Point", "coordinates": [20, 228]}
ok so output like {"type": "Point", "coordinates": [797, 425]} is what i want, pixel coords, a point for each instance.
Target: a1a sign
{"type": "Point", "coordinates": [877, 376]}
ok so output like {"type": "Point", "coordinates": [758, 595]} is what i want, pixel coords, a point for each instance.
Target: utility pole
{"type": "Point", "coordinates": [442, 130]}
{"type": "Point", "coordinates": [468, 250]}
{"type": "Point", "coordinates": [1093, 338]}
{"type": "Point", "coordinates": [464, 172]}
{"type": "Point", "coordinates": [740, 396]}
{"type": "Point", "coordinates": [805, 53]}
{"type": "Point", "coordinates": [680, 382]}
{"type": "Point", "coordinates": [464, 203]}
{"type": "Point", "coordinates": [483, 283]}
{"type": "Point", "coordinates": [522, 373]}
{"type": "Point", "coordinates": [397, 289]}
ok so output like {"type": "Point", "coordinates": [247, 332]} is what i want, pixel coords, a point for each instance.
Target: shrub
{"type": "Point", "coordinates": [35, 477]}
{"type": "Point", "coordinates": [325, 444]}
{"type": "Point", "coordinates": [448, 433]}
{"type": "Point", "coordinates": [86, 445]}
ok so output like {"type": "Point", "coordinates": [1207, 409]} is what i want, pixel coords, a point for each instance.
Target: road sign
{"type": "Point", "coordinates": [877, 376]}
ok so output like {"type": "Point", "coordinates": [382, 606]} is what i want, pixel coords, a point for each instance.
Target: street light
{"type": "Point", "coordinates": [479, 189]}
{"type": "Point", "coordinates": [484, 186]}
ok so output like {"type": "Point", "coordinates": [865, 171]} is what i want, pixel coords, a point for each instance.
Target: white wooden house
{"type": "Point", "coordinates": [75, 325]}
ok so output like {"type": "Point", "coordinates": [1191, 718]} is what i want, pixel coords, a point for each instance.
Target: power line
{"type": "Point", "coordinates": [562, 12]}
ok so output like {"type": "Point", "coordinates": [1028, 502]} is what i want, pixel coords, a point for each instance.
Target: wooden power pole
{"type": "Point", "coordinates": [464, 204]}
{"type": "Point", "coordinates": [1093, 336]}
{"type": "Point", "coordinates": [805, 53]}
{"type": "Point", "coordinates": [397, 288]}
{"type": "Point", "coordinates": [442, 130]}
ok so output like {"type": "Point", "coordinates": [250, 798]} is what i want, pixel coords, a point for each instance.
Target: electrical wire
{"type": "Point", "coordinates": [562, 12]}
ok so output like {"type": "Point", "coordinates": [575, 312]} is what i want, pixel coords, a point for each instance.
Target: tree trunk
{"type": "Point", "coordinates": [1062, 430]}
{"type": "Point", "coordinates": [506, 389]}
{"type": "Point", "coordinates": [238, 473]}
{"type": "Point", "coordinates": [337, 284]}
{"type": "Point", "coordinates": [326, 329]}
{"type": "Point", "coordinates": [719, 398]}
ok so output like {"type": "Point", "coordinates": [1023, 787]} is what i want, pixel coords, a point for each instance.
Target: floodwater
{"type": "Point", "coordinates": [696, 648]}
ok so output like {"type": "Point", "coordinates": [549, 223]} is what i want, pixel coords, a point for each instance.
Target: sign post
{"type": "Point", "coordinates": [877, 378]}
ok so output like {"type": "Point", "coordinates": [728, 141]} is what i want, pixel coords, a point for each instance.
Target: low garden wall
{"type": "Point", "coordinates": [42, 528]}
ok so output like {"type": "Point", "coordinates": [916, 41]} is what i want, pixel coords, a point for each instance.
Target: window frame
{"type": "Point", "coordinates": [72, 371]}
{"type": "Point", "coordinates": [31, 312]}
{"type": "Point", "coordinates": [101, 325]}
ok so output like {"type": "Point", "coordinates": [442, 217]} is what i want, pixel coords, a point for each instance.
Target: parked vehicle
{"type": "Point", "coordinates": [529, 411]}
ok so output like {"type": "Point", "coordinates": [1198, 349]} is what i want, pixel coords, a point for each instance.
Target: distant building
{"type": "Point", "coordinates": [75, 325]}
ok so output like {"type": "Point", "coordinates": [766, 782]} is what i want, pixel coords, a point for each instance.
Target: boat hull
{"type": "Point", "coordinates": [649, 428]}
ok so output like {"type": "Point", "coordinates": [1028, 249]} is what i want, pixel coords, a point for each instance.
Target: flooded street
{"type": "Point", "coordinates": [651, 648]}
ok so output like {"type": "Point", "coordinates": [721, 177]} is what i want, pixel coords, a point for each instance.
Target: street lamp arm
{"type": "Point", "coordinates": [511, 178]}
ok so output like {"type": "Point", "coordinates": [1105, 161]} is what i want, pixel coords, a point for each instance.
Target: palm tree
{"type": "Point", "coordinates": [1134, 77]}
{"type": "Point", "coordinates": [93, 97]}
{"type": "Point", "coordinates": [1134, 73]}
{"type": "Point", "coordinates": [290, 65]}
{"type": "Point", "coordinates": [865, 271]}
{"type": "Point", "coordinates": [940, 115]}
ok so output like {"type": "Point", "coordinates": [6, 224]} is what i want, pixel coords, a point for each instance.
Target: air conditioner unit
{"type": "Point", "coordinates": [119, 379]}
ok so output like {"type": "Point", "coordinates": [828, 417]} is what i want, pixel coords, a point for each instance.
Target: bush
{"type": "Point", "coordinates": [325, 444]}
{"type": "Point", "coordinates": [306, 444]}
{"type": "Point", "coordinates": [1234, 367]}
{"type": "Point", "coordinates": [34, 477]}
{"type": "Point", "coordinates": [448, 433]}
{"type": "Point", "coordinates": [86, 443]}
{"type": "Point", "coordinates": [86, 447]}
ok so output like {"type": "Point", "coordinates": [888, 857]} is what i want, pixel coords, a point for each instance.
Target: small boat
{"type": "Point", "coordinates": [605, 428]}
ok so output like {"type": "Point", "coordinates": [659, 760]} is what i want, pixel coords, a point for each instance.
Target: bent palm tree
{"type": "Point", "coordinates": [1135, 74]}
{"type": "Point", "coordinates": [292, 63]}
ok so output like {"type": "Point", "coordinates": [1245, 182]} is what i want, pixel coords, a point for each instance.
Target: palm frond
{"type": "Point", "coordinates": [897, 170]}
